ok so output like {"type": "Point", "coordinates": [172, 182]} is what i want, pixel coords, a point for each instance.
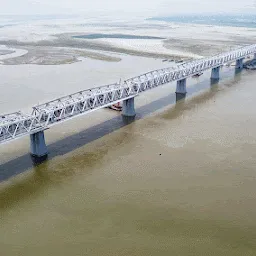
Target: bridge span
{"type": "Point", "coordinates": [17, 125]}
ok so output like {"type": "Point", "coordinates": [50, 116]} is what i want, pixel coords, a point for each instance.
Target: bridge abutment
{"type": "Point", "coordinates": [181, 87]}
{"type": "Point", "coordinates": [37, 144]}
{"type": "Point", "coordinates": [128, 108]}
{"type": "Point", "coordinates": [239, 63]}
{"type": "Point", "coordinates": [215, 75]}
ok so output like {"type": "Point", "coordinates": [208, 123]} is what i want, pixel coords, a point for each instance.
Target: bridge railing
{"type": "Point", "coordinates": [158, 77]}
{"type": "Point", "coordinates": [92, 99]}
{"type": "Point", "coordinates": [15, 125]}
{"type": "Point", "coordinates": [79, 103]}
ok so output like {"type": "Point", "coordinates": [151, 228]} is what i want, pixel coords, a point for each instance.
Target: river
{"type": "Point", "coordinates": [180, 180]}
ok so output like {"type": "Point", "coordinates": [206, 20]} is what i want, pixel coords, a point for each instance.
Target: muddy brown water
{"type": "Point", "coordinates": [180, 180]}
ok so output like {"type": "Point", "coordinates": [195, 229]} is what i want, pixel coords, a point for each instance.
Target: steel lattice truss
{"type": "Point", "coordinates": [158, 77]}
{"type": "Point", "coordinates": [15, 125]}
{"type": "Point", "coordinates": [81, 103]}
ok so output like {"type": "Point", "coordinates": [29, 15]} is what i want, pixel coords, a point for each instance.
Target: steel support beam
{"type": "Point", "coordinates": [128, 107]}
{"type": "Point", "coordinates": [215, 73]}
{"type": "Point", "coordinates": [37, 144]}
{"type": "Point", "coordinates": [17, 125]}
{"type": "Point", "coordinates": [239, 63]}
{"type": "Point", "coordinates": [181, 86]}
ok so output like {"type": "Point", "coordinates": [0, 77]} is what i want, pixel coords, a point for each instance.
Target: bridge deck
{"type": "Point", "coordinates": [15, 125]}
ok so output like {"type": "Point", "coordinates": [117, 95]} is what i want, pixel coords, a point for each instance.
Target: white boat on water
{"type": "Point", "coordinates": [116, 107]}
{"type": "Point", "coordinates": [198, 74]}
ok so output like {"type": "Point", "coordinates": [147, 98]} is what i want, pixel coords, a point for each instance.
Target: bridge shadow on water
{"type": "Point", "coordinates": [66, 145]}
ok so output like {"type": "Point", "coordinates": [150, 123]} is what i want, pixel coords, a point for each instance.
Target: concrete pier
{"type": "Point", "coordinates": [239, 64]}
{"type": "Point", "coordinates": [37, 144]}
{"type": "Point", "coordinates": [180, 97]}
{"type": "Point", "coordinates": [254, 56]}
{"type": "Point", "coordinates": [181, 86]}
{"type": "Point", "coordinates": [128, 107]}
{"type": "Point", "coordinates": [215, 73]}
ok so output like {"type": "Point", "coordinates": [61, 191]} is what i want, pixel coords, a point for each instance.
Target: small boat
{"type": "Point", "coordinates": [165, 60]}
{"type": "Point", "coordinates": [198, 74]}
{"type": "Point", "coordinates": [116, 107]}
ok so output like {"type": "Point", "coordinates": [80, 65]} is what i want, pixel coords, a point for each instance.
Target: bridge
{"type": "Point", "coordinates": [42, 117]}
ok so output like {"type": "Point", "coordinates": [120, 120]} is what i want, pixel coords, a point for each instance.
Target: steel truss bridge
{"type": "Point", "coordinates": [16, 125]}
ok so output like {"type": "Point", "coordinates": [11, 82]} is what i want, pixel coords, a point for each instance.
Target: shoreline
{"type": "Point", "coordinates": [84, 48]}
{"type": "Point", "coordinates": [57, 45]}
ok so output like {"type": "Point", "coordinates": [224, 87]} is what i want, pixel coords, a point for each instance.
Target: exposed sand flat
{"type": "Point", "coordinates": [55, 56]}
{"type": "Point", "coordinates": [13, 53]}
{"type": "Point", "coordinates": [206, 47]}
{"type": "Point", "coordinates": [102, 45]}
{"type": "Point", "coordinates": [148, 46]}
{"type": "Point", "coordinates": [46, 30]}
{"type": "Point", "coordinates": [43, 39]}
{"type": "Point", "coordinates": [5, 52]}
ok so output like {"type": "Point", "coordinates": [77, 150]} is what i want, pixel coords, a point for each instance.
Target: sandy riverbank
{"type": "Point", "coordinates": [46, 55]}
{"type": "Point", "coordinates": [5, 52]}
{"type": "Point", "coordinates": [49, 44]}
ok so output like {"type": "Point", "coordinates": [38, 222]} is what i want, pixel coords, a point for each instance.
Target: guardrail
{"type": "Point", "coordinates": [16, 125]}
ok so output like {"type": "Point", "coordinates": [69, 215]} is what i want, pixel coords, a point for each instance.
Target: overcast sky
{"type": "Point", "coordinates": [119, 7]}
